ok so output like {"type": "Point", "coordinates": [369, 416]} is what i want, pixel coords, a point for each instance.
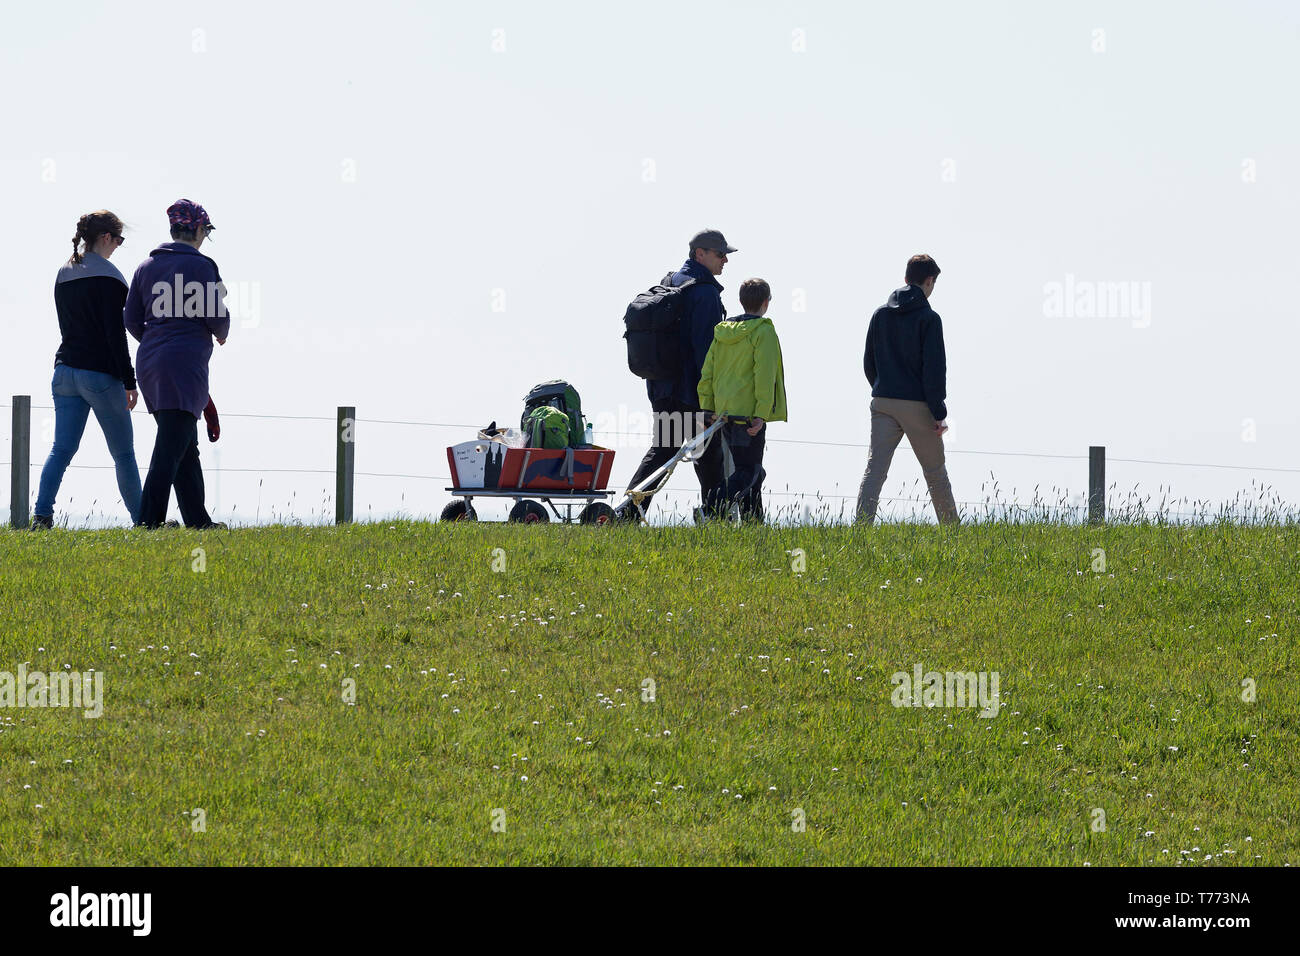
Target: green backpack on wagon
{"type": "Point", "coordinates": [553, 416]}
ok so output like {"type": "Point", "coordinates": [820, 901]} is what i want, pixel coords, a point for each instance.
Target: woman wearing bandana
{"type": "Point", "coordinates": [174, 309]}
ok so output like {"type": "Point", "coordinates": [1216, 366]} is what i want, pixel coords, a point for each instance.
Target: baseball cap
{"type": "Point", "coordinates": [711, 239]}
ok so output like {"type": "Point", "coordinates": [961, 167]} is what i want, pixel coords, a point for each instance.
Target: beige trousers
{"type": "Point", "coordinates": [891, 419]}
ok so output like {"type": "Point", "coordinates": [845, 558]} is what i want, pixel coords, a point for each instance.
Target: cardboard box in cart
{"type": "Point", "coordinates": [491, 465]}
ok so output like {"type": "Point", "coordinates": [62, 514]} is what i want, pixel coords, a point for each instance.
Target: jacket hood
{"type": "Point", "coordinates": [92, 264]}
{"type": "Point", "coordinates": [906, 299]}
{"type": "Point", "coordinates": [739, 329]}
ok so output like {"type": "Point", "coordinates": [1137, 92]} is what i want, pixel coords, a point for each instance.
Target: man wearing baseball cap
{"type": "Point", "coordinates": [674, 403]}
{"type": "Point", "coordinates": [174, 309]}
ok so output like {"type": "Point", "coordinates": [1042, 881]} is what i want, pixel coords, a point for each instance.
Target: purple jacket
{"type": "Point", "coordinates": [175, 307]}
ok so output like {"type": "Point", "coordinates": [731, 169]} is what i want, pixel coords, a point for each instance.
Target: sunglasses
{"type": "Point", "coordinates": [119, 239]}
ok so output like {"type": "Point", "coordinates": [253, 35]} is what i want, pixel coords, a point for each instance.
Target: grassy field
{"type": "Point", "coordinates": [501, 711]}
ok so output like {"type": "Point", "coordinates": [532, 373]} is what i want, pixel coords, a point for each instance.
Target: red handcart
{"type": "Point", "coordinates": [567, 476]}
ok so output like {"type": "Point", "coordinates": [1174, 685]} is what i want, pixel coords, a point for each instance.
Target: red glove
{"type": "Point", "coordinates": [210, 416]}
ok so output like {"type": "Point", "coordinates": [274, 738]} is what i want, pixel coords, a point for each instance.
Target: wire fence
{"type": "Point", "coordinates": [1061, 506]}
{"type": "Point", "coordinates": [464, 426]}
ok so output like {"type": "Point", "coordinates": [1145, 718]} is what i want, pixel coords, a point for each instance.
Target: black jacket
{"type": "Point", "coordinates": [89, 302]}
{"type": "Point", "coordinates": [905, 356]}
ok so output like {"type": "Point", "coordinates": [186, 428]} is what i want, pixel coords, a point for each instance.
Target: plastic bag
{"type": "Point", "coordinates": [510, 437]}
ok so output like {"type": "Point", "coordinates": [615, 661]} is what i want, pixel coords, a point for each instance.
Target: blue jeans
{"type": "Point", "coordinates": [77, 392]}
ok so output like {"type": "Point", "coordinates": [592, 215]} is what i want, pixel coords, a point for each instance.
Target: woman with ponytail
{"type": "Point", "coordinates": [92, 368]}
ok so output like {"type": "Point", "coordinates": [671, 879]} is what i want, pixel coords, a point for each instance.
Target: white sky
{"type": "Point", "coordinates": [991, 135]}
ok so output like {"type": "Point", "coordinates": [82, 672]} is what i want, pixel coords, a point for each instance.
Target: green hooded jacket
{"type": "Point", "coordinates": [743, 375]}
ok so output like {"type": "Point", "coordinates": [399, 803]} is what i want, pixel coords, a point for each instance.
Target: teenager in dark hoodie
{"type": "Point", "coordinates": [907, 367]}
{"type": "Point", "coordinates": [92, 368]}
{"type": "Point", "coordinates": [175, 308]}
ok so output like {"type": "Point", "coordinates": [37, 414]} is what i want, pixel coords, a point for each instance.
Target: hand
{"type": "Point", "coordinates": [709, 417]}
{"type": "Point", "coordinates": [221, 341]}
{"type": "Point", "coordinates": [755, 425]}
{"type": "Point", "coordinates": [131, 396]}
{"type": "Point", "coordinates": [941, 427]}
{"type": "Point", "coordinates": [210, 417]}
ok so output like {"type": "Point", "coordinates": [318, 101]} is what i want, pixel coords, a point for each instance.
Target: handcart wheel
{"type": "Point", "coordinates": [459, 510]}
{"type": "Point", "coordinates": [597, 513]}
{"type": "Point", "coordinates": [529, 512]}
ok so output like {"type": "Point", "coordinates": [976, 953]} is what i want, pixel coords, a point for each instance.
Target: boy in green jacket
{"type": "Point", "coordinates": [743, 378]}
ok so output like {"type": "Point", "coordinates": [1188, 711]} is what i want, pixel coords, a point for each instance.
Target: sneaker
{"type": "Point", "coordinates": [171, 524]}
{"type": "Point", "coordinates": [42, 523]}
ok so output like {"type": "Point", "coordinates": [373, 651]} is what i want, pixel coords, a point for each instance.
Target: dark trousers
{"type": "Point", "coordinates": [674, 425]}
{"type": "Point", "coordinates": [745, 485]}
{"type": "Point", "coordinates": [175, 462]}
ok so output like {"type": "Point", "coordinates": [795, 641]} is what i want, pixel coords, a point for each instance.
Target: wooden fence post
{"type": "Point", "coordinates": [20, 458]}
{"type": "Point", "coordinates": [1096, 484]}
{"type": "Point", "coordinates": [345, 461]}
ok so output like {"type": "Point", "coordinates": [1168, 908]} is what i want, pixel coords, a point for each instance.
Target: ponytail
{"type": "Point", "coordinates": [89, 228]}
